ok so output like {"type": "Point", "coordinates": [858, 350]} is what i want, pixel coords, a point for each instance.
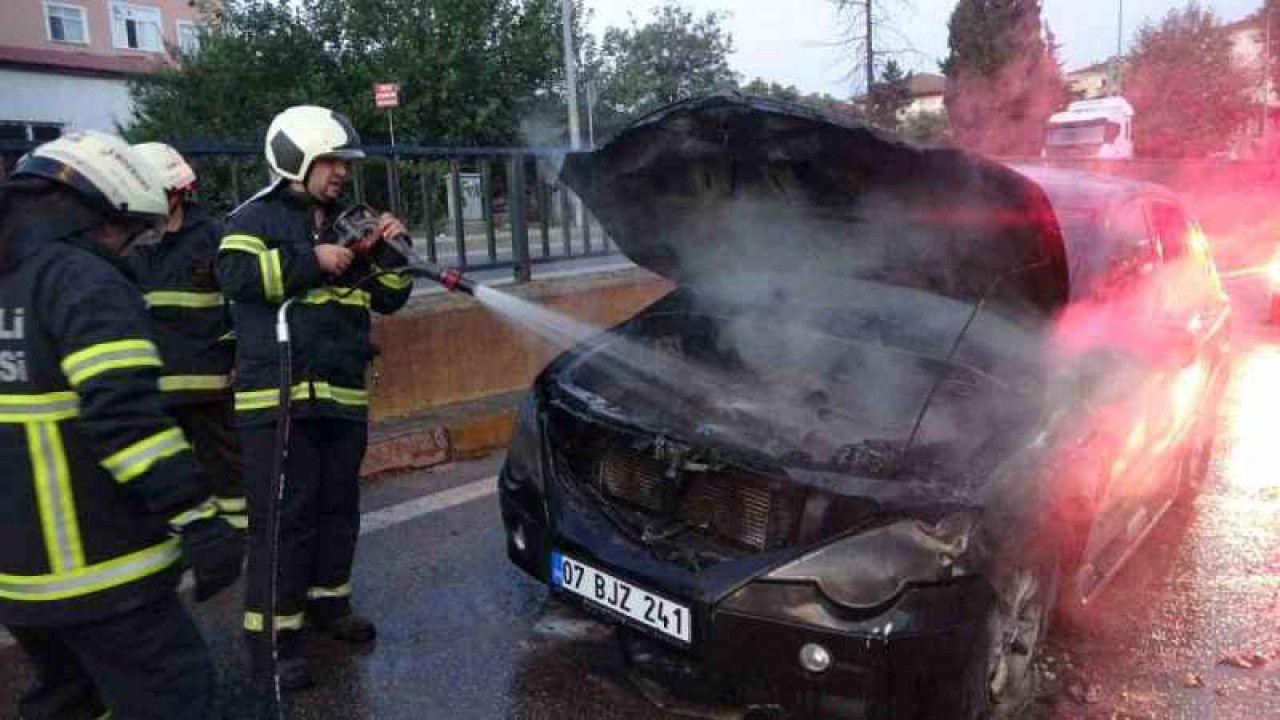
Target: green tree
{"type": "Point", "coordinates": [925, 128]}
{"type": "Point", "coordinates": [470, 71]}
{"type": "Point", "coordinates": [1188, 97]}
{"type": "Point", "coordinates": [1003, 82]}
{"type": "Point", "coordinates": [673, 56]}
{"type": "Point", "coordinates": [889, 96]}
{"type": "Point", "coordinates": [822, 102]}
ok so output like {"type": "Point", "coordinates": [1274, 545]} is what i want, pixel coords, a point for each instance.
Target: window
{"type": "Point", "coordinates": [188, 36]}
{"type": "Point", "coordinates": [21, 130]}
{"type": "Point", "coordinates": [66, 23]}
{"type": "Point", "coordinates": [137, 27]}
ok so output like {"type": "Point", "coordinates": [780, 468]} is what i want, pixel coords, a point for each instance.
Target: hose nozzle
{"type": "Point", "coordinates": [450, 279]}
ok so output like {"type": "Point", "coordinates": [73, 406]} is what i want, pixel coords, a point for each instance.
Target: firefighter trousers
{"type": "Point", "coordinates": [319, 526]}
{"type": "Point", "coordinates": [208, 426]}
{"type": "Point", "coordinates": [149, 663]}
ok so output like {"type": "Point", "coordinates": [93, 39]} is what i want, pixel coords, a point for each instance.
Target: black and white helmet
{"type": "Point", "coordinates": [104, 170]}
{"type": "Point", "coordinates": [303, 133]}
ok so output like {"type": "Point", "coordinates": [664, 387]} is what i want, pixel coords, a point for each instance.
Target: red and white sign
{"type": "Point", "coordinates": [386, 95]}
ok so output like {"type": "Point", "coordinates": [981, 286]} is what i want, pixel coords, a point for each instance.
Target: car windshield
{"type": "Point", "coordinates": [1089, 132]}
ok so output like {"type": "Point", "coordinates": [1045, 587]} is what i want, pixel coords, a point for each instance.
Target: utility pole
{"type": "Point", "coordinates": [1115, 64]}
{"type": "Point", "coordinates": [571, 92]}
{"type": "Point", "coordinates": [871, 54]}
{"type": "Point", "coordinates": [1266, 76]}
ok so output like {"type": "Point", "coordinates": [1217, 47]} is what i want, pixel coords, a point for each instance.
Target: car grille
{"type": "Point", "coordinates": [745, 509]}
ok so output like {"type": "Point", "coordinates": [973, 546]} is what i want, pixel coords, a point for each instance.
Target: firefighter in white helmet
{"type": "Point", "coordinates": [193, 328]}
{"type": "Point", "coordinates": [102, 499]}
{"type": "Point", "coordinates": [279, 245]}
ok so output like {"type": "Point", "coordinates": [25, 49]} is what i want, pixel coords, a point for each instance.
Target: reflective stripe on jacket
{"type": "Point", "coordinates": [190, 316]}
{"type": "Point", "coordinates": [94, 469]}
{"type": "Point", "coordinates": [267, 255]}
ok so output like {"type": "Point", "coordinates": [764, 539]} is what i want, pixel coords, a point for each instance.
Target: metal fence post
{"type": "Point", "coordinates": [515, 212]}
{"type": "Point", "coordinates": [425, 183]}
{"type": "Point", "coordinates": [486, 205]}
{"type": "Point", "coordinates": [358, 182]}
{"type": "Point", "coordinates": [544, 215]}
{"type": "Point", "coordinates": [393, 185]}
{"type": "Point", "coordinates": [235, 181]}
{"type": "Point", "coordinates": [586, 232]}
{"type": "Point", "coordinates": [566, 213]}
{"type": "Point", "coordinates": [459, 229]}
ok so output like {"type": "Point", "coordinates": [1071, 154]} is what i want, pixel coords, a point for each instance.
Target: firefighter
{"type": "Point", "coordinates": [102, 499]}
{"type": "Point", "coordinates": [278, 245]}
{"type": "Point", "coordinates": [193, 328]}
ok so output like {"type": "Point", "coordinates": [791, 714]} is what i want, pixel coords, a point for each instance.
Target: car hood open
{"type": "Point", "coordinates": [727, 185]}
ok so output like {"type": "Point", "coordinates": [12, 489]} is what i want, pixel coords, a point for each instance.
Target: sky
{"type": "Point", "coordinates": [797, 42]}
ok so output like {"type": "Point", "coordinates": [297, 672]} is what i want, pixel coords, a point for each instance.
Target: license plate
{"type": "Point", "coordinates": [618, 596]}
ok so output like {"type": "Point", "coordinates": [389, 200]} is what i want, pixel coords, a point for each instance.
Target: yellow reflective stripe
{"type": "Point", "coordinates": [399, 281]}
{"type": "Point", "coordinates": [138, 458]}
{"type": "Point", "coordinates": [342, 295]}
{"type": "Point", "coordinates": [94, 360]}
{"type": "Point", "coordinates": [349, 396]}
{"type": "Point", "coordinates": [256, 622]}
{"type": "Point", "coordinates": [204, 511]}
{"type": "Point", "coordinates": [272, 275]}
{"type": "Point", "coordinates": [239, 522]}
{"type": "Point", "coordinates": [36, 408]}
{"type": "Point", "coordinates": [321, 593]}
{"type": "Point", "coordinates": [262, 399]}
{"type": "Point", "coordinates": [175, 298]}
{"type": "Point", "coordinates": [231, 504]}
{"type": "Point", "coordinates": [178, 383]}
{"type": "Point", "coordinates": [243, 243]}
{"type": "Point", "coordinates": [92, 578]}
{"type": "Point", "coordinates": [54, 498]}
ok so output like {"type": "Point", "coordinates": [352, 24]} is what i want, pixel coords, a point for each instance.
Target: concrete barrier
{"type": "Point", "coordinates": [450, 372]}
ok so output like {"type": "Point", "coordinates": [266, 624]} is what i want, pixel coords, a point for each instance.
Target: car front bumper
{"type": "Point", "coordinates": [906, 659]}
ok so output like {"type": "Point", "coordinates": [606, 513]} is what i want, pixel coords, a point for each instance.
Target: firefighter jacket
{"type": "Point", "coordinates": [190, 318]}
{"type": "Point", "coordinates": [96, 474]}
{"type": "Point", "coordinates": [268, 255]}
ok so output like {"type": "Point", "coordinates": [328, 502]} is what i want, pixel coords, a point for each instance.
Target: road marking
{"type": "Point", "coordinates": [388, 517]}
{"type": "Point", "coordinates": [372, 522]}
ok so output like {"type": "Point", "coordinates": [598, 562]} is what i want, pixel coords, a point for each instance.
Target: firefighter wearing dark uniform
{"type": "Point", "coordinates": [102, 500]}
{"type": "Point", "coordinates": [193, 329]}
{"type": "Point", "coordinates": [277, 247]}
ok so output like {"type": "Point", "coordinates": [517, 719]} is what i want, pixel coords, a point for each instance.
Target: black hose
{"type": "Point", "coordinates": [273, 708]}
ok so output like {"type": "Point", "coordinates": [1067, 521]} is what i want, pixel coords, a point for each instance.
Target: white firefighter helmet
{"type": "Point", "coordinates": [104, 170]}
{"type": "Point", "coordinates": [170, 165]}
{"type": "Point", "coordinates": [301, 134]}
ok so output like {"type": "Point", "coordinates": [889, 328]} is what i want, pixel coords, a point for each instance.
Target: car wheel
{"type": "Point", "coordinates": [1002, 687]}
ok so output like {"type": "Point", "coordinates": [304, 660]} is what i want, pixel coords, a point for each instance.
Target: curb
{"type": "Point", "coordinates": [444, 435]}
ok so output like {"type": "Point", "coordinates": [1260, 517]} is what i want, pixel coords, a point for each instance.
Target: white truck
{"type": "Point", "coordinates": [1101, 128]}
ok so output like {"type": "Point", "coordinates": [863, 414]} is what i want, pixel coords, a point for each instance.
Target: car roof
{"type": "Point", "coordinates": [1075, 194]}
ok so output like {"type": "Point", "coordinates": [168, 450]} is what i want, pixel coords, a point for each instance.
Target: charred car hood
{"type": "Point", "coordinates": [729, 184]}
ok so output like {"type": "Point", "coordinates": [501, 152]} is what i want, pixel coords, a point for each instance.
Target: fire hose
{"type": "Point", "coordinates": [355, 230]}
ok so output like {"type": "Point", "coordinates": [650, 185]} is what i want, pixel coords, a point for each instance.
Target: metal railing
{"type": "Point", "coordinates": [523, 216]}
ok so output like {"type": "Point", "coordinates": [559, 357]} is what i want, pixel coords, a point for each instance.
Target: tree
{"type": "Point", "coordinates": [1188, 97]}
{"type": "Point", "coordinates": [925, 128]}
{"type": "Point", "coordinates": [673, 56]}
{"type": "Point", "coordinates": [866, 25]}
{"type": "Point", "coordinates": [1003, 82]}
{"type": "Point", "coordinates": [822, 102]}
{"type": "Point", "coordinates": [469, 70]}
{"type": "Point", "coordinates": [889, 96]}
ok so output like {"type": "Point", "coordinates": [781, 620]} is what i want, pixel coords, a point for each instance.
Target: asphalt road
{"type": "Point", "coordinates": [464, 635]}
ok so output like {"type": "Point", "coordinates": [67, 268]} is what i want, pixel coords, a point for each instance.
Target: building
{"type": "Point", "coordinates": [64, 64]}
{"type": "Point", "coordinates": [927, 92]}
{"type": "Point", "coordinates": [1095, 81]}
{"type": "Point", "coordinates": [1248, 49]}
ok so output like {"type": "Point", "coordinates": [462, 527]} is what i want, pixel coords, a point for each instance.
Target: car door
{"type": "Point", "coordinates": [1126, 411]}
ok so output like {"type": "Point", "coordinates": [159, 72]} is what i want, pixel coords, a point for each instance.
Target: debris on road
{"type": "Point", "coordinates": [1192, 680]}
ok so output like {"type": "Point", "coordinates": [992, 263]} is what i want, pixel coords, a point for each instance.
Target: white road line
{"type": "Point", "coordinates": [372, 522]}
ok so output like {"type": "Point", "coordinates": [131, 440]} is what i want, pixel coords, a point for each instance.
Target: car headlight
{"type": "Point", "coordinates": [866, 570]}
{"type": "Point", "coordinates": [524, 454]}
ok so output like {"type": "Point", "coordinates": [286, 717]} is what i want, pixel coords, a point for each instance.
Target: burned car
{"type": "Point", "coordinates": [901, 405]}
